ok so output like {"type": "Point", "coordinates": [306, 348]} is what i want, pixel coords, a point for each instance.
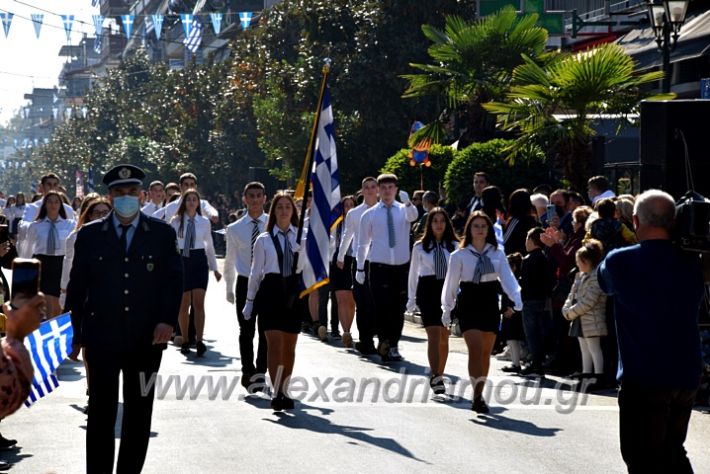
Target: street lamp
{"type": "Point", "coordinates": [666, 18]}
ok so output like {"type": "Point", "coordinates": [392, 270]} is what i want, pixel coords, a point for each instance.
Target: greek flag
{"type": "Point", "coordinates": [325, 208]}
{"type": "Point", "coordinates": [194, 38]}
{"type": "Point", "coordinates": [90, 181]}
{"type": "Point", "coordinates": [48, 346]}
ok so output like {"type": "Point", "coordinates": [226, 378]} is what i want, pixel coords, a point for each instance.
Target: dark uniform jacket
{"type": "Point", "coordinates": [117, 298]}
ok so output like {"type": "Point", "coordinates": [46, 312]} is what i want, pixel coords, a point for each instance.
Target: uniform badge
{"type": "Point", "coordinates": [150, 266]}
{"type": "Point", "coordinates": [124, 173]}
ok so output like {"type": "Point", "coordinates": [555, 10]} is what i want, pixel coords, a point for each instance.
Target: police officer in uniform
{"type": "Point", "coordinates": [124, 294]}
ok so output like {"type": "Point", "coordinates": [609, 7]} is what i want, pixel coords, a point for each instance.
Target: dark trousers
{"type": "Point", "coordinates": [334, 318]}
{"type": "Point", "coordinates": [323, 295]}
{"type": "Point", "coordinates": [536, 322]}
{"type": "Point", "coordinates": [652, 426]}
{"type": "Point", "coordinates": [388, 284]}
{"type": "Point", "coordinates": [104, 369]}
{"type": "Point", "coordinates": [364, 307]}
{"type": "Point", "coordinates": [246, 333]}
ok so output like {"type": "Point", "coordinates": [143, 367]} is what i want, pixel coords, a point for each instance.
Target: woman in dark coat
{"type": "Point", "coordinates": [520, 221]}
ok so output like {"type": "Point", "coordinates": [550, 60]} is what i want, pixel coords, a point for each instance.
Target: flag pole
{"type": "Point", "coordinates": [305, 179]}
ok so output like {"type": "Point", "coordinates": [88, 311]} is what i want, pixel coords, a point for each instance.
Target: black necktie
{"type": "Point", "coordinates": [123, 240]}
{"type": "Point", "coordinates": [288, 256]}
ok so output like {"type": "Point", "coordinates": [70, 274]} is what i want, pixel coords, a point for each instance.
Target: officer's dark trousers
{"type": "Point", "coordinates": [246, 333]}
{"type": "Point", "coordinates": [388, 284]}
{"type": "Point", "coordinates": [364, 308]}
{"type": "Point", "coordinates": [652, 425]}
{"type": "Point", "coordinates": [105, 366]}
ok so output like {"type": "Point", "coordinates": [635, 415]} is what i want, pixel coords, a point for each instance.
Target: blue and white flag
{"type": "Point", "coordinates": [157, 25]}
{"type": "Point", "coordinates": [127, 21]}
{"type": "Point", "coordinates": [98, 28]}
{"type": "Point", "coordinates": [48, 346]}
{"type": "Point", "coordinates": [68, 21]}
{"type": "Point", "coordinates": [216, 22]}
{"type": "Point", "coordinates": [6, 22]}
{"type": "Point", "coordinates": [194, 39]}
{"type": "Point", "coordinates": [186, 20]}
{"type": "Point", "coordinates": [325, 207]}
{"type": "Point", "coordinates": [95, 2]}
{"type": "Point", "coordinates": [37, 19]}
{"type": "Point", "coordinates": [245, 19]}
{"type": "Point", "coordinates": [90, 181]}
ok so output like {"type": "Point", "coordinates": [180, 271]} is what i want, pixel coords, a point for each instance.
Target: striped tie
{"type": "Point", "coordinates": [52, 238]}
{"type": "Point", "coordinates": [390, 227]}
{"type": "Point", "coordinates": [254, 235]}
{"type": "Point", "coordinates": [439, 261]}
{"type": "Point", "coordinates": [189, 237]}
{"type": "Point", "coordinates": [286, 270]}
{"type": "Point", "coordinates": [484, 266]}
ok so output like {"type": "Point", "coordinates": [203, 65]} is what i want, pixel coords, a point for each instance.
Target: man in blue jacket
{"type": "Point", "coordinates": [657, 290]}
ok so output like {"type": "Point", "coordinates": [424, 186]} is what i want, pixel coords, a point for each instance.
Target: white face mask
{"type": "Point", "coordinates": [126, 206]}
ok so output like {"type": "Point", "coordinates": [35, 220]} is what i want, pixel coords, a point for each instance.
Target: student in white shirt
{"type": "Point", "coordinates": [46, 238]}
{"type": "Point", "coordinates": [241, 236]}
{"type": "Point", "coordinates": [341, 277]}
{"type": "Point", "coordinates": [189, 181]}
{"type": "Point", "coordinates": [273, 293]}
{"type": "Point", "coordinates": [474, 276]}
{"type": "Point", "coordinates": [383, 239]}
{"type": "Point", "coordinates": [365, 309]}
{"type": "Point", "coordinates": [48, 182]}
{"type": "Point", "coordinates": [427, 271]}
{"type": "Point", "coordinates": [194, 234]}
{"type": "Point", "coordinates": [156, 195]}
{"type": "Point", "coordinates": [15, 213]}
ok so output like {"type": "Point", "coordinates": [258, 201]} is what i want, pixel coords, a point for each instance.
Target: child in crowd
{"type": "Point", "coordinates": [586, 308]}
{"type": "Point", "coordinates": [512, 326]}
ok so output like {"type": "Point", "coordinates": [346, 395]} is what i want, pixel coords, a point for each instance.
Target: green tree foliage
{"type": "Point", "coordinates": [470, 63]}
{"type": "Point", "coordinates": [409, 176]}
{"type": "Point", "coordinates": [529, 170]}
{"type": "Point", "coordinates": [600, 81]}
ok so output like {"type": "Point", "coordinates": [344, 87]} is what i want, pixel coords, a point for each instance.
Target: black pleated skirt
{"type": "Point", "coordinates": [51, 277]}
{"type": "Point", "coordinates": [429, 300]}
{"type": "Point", "coordinates": [478, 306]}
{"type": "Point", "coordinates": [271, 304]}
{"type": "Point", "coordinates": [195, 271]}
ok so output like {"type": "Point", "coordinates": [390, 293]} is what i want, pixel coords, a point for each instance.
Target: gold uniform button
{"type": "Point", "coordinates": [125, 275]}
{"type": "Point", "coordinates": [125, 292]}
{"type": "Point", "coordinates": [126, 308]}
{"type": "Point", "coordinates": [125, 259]}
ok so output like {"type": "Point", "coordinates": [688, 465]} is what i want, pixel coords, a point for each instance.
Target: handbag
{"type": "Point", "coordinates": [575, 328]}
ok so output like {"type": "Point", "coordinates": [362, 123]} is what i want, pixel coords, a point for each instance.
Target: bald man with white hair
{"type": "Point", "coordinates": [657, 289]}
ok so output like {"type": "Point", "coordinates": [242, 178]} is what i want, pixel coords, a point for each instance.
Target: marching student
{"type": "Point", "coordinates": [427, 272]}
{"type": "Point", "coordinates": [474, 273]}
{"type": "Point", "coordinates": [187, 181]}
{"type": "Point", "coordinates": [341, 278]}
{"type": "Point", "coordinates": [156, 194]}
{"type": "Point", "coordinates": [365, 311]}
{"type": "Point", "coordinates": [383, 239]}
{"type": "Point", "coordinates": [46, 238]}
{"type": "Point", "coordinates": [48, 182]}
{"type": "Point", "coordinates": [194, 233]}
{"type": "Point", "coordinates": [15, 213]}
{"type": "Point", "coordinates": [273, 293]}
{"type": "Point", "coordinates": [240, 237]}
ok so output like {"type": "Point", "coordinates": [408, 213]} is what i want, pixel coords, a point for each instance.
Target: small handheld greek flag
{"type": "Point", "coordinates": [48, 346]}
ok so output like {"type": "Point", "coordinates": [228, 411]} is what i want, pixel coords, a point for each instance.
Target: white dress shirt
{"type": "Point", "coordinates": [606, 194]}
{"type": "Point", "coordinates": [373, 234]}
{"type": "Point", "coordinates": [68, 259]}
{"type": "Point", "coordinates": [151, 208]}
{"type": "Point", "coordinates": [350, 230]}
{"type": "Point", "coordinates": [462, 265]}
{"type": "Point", "coordinates": [37, 237]}
{"type": "Point", "coordinates": [203, 237]}
{"type": "Point", "coordinates": [266, 260]}
{"type": "Point", "coordinates": [238, 256]}
{"type": "Point", "coordinates": [32, 210]}
{"type": "Point", "coordinates": [422, 264]}
{"type": "Point", "coordinates": [171, 209]}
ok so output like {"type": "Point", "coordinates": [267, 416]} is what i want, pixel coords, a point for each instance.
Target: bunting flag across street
{"type": "Point", "coordinates": [48, 346]}
{"type": "Point", "coordinates": [325, 208]}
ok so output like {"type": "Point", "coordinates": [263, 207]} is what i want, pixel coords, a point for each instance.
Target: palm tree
{"type": "Point", "coordinates": [471, 64]}
{"type": "Point", "coordinates": [602, 80]}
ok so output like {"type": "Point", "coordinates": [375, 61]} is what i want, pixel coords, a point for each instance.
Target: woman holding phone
{"type": "Point", "coordinates": [272, 286]}
{"type": "Point", "coordinates": [46, 241]}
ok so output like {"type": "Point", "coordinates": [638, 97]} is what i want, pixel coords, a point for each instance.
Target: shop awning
{"type": "Point", "coordinates": [693, 42]}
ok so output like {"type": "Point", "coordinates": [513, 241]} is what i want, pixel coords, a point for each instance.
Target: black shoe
{"type": "Point", "coordinates": [383, 348]}
{"type": "Point", "coordinates": [7, 443]}
{"type": "Point", "coordinates": [479, 405]}
{"type": "Point", "coordinates": [201, 349]}
{"type": "Point", "coordinates": [436, 382]}
{"type": "Point", "coordinates": [532, 371]}
{"type": "Point", "coordinates": [4, 465]}
{"type": "Point", "coordinates": [511, 369]}
{"type": "Point", "coordinates": [185, 348]}
{"type": "Point", "coordinates": [287, 402]}
{"type": "Point", "coordinates": [277, 403]}
{"type": "Point", "coordinates": [335, 335]}
{"type": "Point", "coordinates": [258, 383]}
{"type": "Point", "coordinates": [365, 348]}
{"type": "Point", "coordinates": [246, 380]}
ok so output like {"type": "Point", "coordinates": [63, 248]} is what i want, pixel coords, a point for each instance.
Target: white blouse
{"type": "Point", "coordinates": [37, 233]}
{"type": "Point", "coordinates": [462, 265]}
{"type": "Point", "coordinates": [68, 260]}
{"type": "Point", "coordinates": [203, 237]}
{"type": "Point", "coordinates": [422, 264]}
{"type": "Point", "coordinates": [266, 260]}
